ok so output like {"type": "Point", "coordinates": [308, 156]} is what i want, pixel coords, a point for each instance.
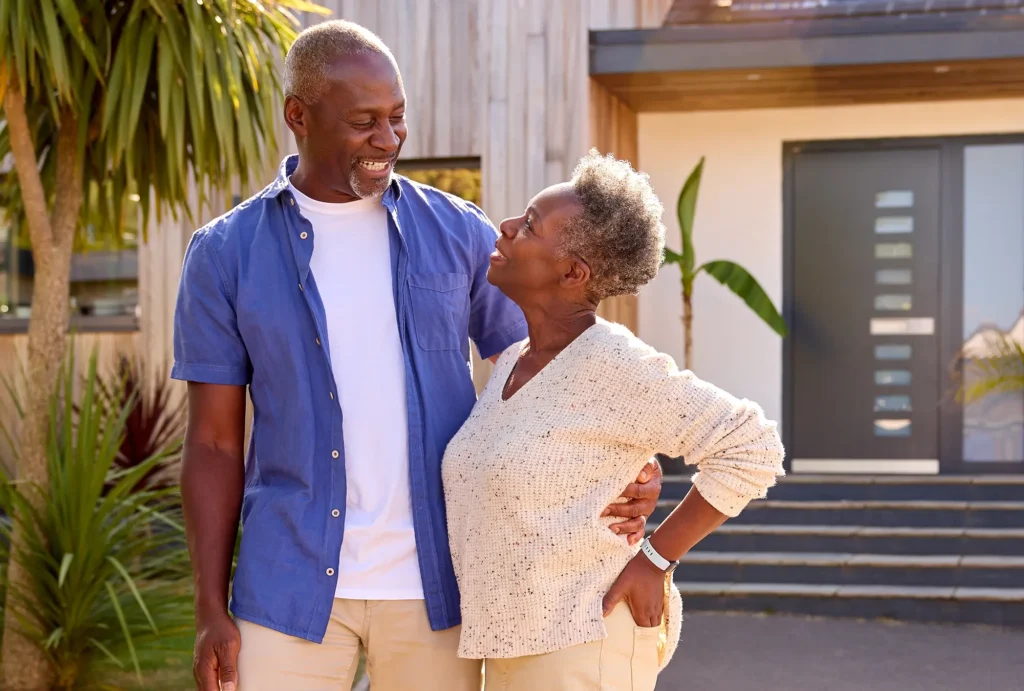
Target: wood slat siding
{"type": "Point", "coordinates": [504, 80]}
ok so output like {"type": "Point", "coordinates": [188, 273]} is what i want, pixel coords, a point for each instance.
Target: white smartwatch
{"type": "Point", "coordinates": [661, 562]}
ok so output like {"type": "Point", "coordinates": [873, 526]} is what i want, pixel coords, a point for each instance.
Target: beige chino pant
{"type": "Point", "coordinates": [625, 661]}
{"type": "Point", "coordinates": [402, 653]}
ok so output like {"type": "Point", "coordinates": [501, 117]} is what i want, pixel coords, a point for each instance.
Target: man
{"type": "Point", "coordinates": [344, 298]}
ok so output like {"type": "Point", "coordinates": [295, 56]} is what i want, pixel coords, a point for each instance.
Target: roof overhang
{"type": "Point", "coordinates": [812, 62]}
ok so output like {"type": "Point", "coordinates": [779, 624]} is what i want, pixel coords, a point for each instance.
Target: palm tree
{"type": "Point", "coordinates": [105, 100]}
{"type": "Point", "coordinates": [999, 368]}
{"type": "Point", "coordinates": [730, 274]}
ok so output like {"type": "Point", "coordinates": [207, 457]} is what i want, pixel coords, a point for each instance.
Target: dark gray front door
{"type": "Point", "coordinates": [864, 350]}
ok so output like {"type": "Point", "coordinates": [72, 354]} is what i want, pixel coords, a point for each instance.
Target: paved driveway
{"type": "Point", "coordinates": [734, 652]}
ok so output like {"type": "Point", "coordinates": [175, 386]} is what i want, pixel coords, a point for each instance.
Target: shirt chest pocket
{"type": "Point", "coordinates": [439, 305]}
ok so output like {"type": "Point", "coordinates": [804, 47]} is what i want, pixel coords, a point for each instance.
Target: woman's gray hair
{"type": "Point", "coordinates": [308, 62]}
{"type": "Point", "coordinates": [619, 232]}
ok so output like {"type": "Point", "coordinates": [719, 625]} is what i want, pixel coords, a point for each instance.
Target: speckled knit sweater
{"type": "Point", "coordinates": [526, 481]}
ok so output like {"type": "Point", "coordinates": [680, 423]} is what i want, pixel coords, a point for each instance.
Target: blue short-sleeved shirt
{"type": "Point", "coordinates": [248, 313]}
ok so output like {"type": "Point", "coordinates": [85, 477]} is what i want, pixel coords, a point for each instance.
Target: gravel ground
{"type": "Point", "coordinates": [736, 652]}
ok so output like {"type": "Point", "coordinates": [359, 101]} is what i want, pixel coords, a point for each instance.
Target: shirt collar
{"type": "Point", "coordinates": [391, 195]}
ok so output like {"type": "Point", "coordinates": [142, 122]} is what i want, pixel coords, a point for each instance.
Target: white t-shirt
{"type": "Point", "coordinates": [351, 265]}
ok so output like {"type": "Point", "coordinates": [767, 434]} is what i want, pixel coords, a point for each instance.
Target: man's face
{"type": "Point", "coordinates": [351, 138]}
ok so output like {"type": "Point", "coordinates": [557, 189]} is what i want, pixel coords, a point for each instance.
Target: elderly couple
{"type": "Point", "coordinates": [457, 542]}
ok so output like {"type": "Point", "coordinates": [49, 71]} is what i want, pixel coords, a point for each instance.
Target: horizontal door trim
{"type": "Point", "coordinates": [896, 466]}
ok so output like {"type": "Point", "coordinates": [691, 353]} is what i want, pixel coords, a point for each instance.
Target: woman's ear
{"type": "Point", "coordinates": [577, 275]}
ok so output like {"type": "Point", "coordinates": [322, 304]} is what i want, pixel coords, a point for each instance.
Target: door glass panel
{"type": "Point", "coordinates": [888, 225]}
{"type": "Point", "coordinates": [892, 377]}
{"type": "Point", "coordinates": [893, 302]}
{"type": "Point", "coordinates": [893, 351]}
{"type": "Point", "coordinates": [993, 428]}
{"type": "Point", "coordinates": [894, 199]}
{"type": "Point", "coordinates": [892, 404]}
{"type": "Point", "coordinates": [893, 277]}
{"type": "Point", "coordinates": [915, 326]}
{"type": "Point", "coordinates": [894, 250]}
{"type": "Point", "coordinates": [892, 428]}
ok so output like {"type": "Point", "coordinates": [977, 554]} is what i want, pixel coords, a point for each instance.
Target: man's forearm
{"type": "Point", "coordinates": [212, 482]}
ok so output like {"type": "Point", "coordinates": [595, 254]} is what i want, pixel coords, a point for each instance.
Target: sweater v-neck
{"type": "Point", "coordinates": [516, 354]}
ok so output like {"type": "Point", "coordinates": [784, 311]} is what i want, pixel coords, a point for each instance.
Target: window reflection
{"type": "Point", "coordinates": [993, 427]}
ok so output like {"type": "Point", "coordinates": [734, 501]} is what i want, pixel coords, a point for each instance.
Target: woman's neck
{"type": "Point", "coordinates": [552, 330]}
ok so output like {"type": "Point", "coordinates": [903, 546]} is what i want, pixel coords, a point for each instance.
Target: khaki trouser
{"type": "Point", "coordinates": [625, 661]}
{"type": "Point", "coordinates": [402, 653]}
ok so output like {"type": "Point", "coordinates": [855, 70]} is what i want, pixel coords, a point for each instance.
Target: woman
{"type": "Point", "coordinates": [550, 598]}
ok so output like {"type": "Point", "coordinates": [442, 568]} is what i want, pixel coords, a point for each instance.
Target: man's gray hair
{"type": "Point", "coordinates": [618, 232]}
{"type": "Point", "coordinates": [309, 59]}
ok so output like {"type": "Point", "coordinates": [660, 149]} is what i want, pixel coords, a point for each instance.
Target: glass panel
{"type": "Point", "coordinates": [5, 263]}
{"type": "Point", "coordinates": [894, 199]}
{"type": "Point", "coordinates": [893, 351]}
{"type": "Point", "coordinates": [892, 377]}
{"type": "Point", "coordinates": [916, 326]}
{"type": "Point", "coordinates": [993, 266]}
{"type": "Point", "coordinates": [888, 225]}
{"type": "Point", "coordinates": [463, 182]}
{"type": "Point", "coordinates": [893, 277]}
{"type": "Point", "coordinates": [892, 404]}
{"type": "Point", "coordinates": [892, 428]}
{"type": "Point", "coordinates": [893, 302]}
{"type": "Point", "coordinates": [894, 250]}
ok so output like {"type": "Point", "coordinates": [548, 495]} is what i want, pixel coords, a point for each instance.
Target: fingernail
{"type": "Point", "coordinates": [643, 476]}
{"type": "Point", "coordinates": [228, 686]}
{"type": "Point", "coordinates": [604, 513]}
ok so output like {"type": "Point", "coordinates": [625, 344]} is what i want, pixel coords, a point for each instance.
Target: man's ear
{"type": "Point", "coordinates": [296, 116]}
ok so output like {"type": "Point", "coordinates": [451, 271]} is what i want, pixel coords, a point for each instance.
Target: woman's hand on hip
{"type": "Point", "coordinates": [641, 500]}
{"type": "Point", "coordinates": [642, 586]}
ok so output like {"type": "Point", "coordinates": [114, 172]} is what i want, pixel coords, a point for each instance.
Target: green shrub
{"type": "Point", "coordinates": [106, 560]}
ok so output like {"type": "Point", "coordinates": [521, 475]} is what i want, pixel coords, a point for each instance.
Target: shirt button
{"type": "Point", "coordinates": [331, 394]}
{"type": "Point", "coordinates": [303, 235]}
{"type": "Point", "coordinates": [292, 200]}
{"type": "Point", "coordinates": [335, 513]}
{"type": "Point", "coordinates": [330, 572]}
{"type": "Point", "coordinates": [301, 288]}
{"type": "Point", "coordinates": [335, 454]}
{"type": "Point", "coordinates": [318, 341]}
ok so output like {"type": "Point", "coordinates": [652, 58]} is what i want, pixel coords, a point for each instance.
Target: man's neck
{"type": "Point", "coordinates": [313, 186]}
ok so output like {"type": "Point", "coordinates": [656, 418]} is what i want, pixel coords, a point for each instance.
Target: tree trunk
{"type": "Point", "coordinates": [24, 665]}
{"type": "Point", "coordinates": [687, 330]}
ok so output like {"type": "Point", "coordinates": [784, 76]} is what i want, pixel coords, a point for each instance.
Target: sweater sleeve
{"type": "Point", "coordinates": [737, 451]}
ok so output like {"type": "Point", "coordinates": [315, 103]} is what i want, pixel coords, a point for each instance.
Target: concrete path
{"type": "Point", "coordinates": [737, 652]}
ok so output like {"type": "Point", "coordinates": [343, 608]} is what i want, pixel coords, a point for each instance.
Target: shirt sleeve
{"type": "Point", "coordinates": [737, 451]}
{"type": "Point", "coordinates": [208, 347]}
{"type": "Point", "coordinates": [495, 322]}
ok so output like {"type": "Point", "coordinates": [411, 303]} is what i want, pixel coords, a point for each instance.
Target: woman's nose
{"type": "Point", "coordinates": [507, 227]}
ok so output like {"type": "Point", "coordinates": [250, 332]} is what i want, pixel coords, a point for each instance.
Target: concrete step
{"type": "Point", "coordinates": [943, 570]}
{"type": "Point", "coordinates": [893, 513]}
{"type": "Point", "coordinates": [880, 487]}
{"type": "Point", "coordinates": [994, 606]}
{"type": "Point", "coordinates": [739, 537]}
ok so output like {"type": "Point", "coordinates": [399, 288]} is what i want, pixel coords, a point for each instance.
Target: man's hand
{"type": "Point", "coordinates": [642, 499]}
{"type": "Point", "coordinates": [215, 662]}
{"type": "Point", "coordinates": [642, 585]}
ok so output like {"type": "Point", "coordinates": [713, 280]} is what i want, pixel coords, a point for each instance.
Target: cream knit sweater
{"type": "Point", "coordinates": [526, 480]}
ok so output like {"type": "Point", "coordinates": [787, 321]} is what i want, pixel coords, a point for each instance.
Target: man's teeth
{"type": "Point", "coordinates": [375, 165]}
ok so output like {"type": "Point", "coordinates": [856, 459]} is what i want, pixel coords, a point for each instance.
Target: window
{"type": "Point", "coordinates": [458, 176]}
{"type": "Point", "coordinates": [104, 279]}
{"type": "Point", "coordinates": [993, 290]}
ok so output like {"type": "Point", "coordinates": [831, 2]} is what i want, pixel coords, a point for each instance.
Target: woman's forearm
{"type": "Point", "coordinates": [692, 521]}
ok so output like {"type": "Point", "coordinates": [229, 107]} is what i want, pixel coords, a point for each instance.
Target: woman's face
{"type": "Point", "coordinates": [528, 264]}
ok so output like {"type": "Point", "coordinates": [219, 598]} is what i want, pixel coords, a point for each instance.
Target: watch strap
{"type": "Point", "coordinates": [661, 562]}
